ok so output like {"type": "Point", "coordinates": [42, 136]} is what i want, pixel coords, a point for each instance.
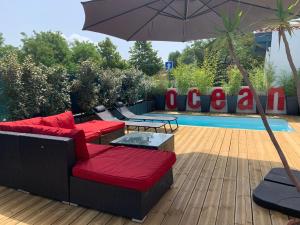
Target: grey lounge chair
{"type": "Point", "coordinates": [104, 114]}
{"type": "Point", "coordinates": [131, 116]}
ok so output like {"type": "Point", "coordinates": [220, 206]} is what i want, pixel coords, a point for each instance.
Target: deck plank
{"type": "Point", "coordinates": [214, 176]}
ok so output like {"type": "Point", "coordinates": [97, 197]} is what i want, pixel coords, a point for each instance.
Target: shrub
{"type": "Point", "coordinates": [85, 86]}
{"type": "Point", "coordinates": [202, 80]}
{"type": "Point", "coordinates": [110, 85]}
{"type": "Point", "coordinates": [287, 82]}
{"type": "Point", "coordinates": [58, 91]}
{"type": "Point", "coordinates": [24, 87]}
{"type": "Point", "coordinates": [269, 76]}
{"type": "Point", "coordinates": [233, 85]}
{"type": "Point", "coordinates": [133, 85]}
{"type": "Point", "coordinates": [158, 85]}
{"type": "Point", "coordinates": [183, 77]}
{"type": "Point", "coordinates": [258, 79]}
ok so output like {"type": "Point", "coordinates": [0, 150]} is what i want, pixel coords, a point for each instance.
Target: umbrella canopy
{"type": "Point", "coordinates": [172, 20]}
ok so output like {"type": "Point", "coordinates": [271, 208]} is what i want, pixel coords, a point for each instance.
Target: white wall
{"type": "Point", "coordinates": [277, 55]}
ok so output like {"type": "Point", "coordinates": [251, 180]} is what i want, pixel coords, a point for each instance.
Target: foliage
{"type": "Point", "coordinates": [134, 85]}
{"type": "Point", "coordinates": [183, 77]}
{"type": "Point", "coordinates": [82, 51]}
{"type": "Point", "coordinates": [110, 57]}
{"type": "Point", "coordinates": [258, 79]}
{"type": "Point", "coordinates": [58, 90]}
{"type": "Point", "coordinates": [287, 82]}
{"type": "Point", "coordinates": [48, 48]}
{"type": "Point", "coordinates": [269, 76]}
{"type": "Point", "coordinates": [234, 83]}
{"type": "Point", "coordinates": [187, 56]}
{"type": "Point", "coordinates": [110, 85]}
{"type": "Point", "coordinates": [174, 56]}
{"type": "Point", "coordinates": [144, 58]}
{"type": "Point", "coordinates": [24, 87]}
{"type": "Point", "coordinates": [85, 86]}
{"type": "Point", "coordinates": [159, 85]}
{"type": "Point", "coordinates": [202, 80]}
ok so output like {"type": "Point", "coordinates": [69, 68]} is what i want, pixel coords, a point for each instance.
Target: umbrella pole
{"type": "Point", "coordinates": [262, 113]}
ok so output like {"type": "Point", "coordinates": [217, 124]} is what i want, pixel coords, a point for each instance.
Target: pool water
{"type": "Point", "coordinates": [249, 123]}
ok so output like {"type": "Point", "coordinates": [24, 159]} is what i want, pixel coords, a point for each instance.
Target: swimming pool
{"type": "Point", "coordinates": [249, 123]}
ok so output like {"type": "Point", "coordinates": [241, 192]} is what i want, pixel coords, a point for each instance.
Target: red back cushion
{"type": "Point", "coordinates": [14, 127]}
{"type": "Point", "coordinates": [78, 137]}
{"type": "Point", "coordinates": [63, 120]}
{"type": "Point", "coordinates": [32, 121]}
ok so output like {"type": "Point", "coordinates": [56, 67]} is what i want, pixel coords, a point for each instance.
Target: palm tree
{"type": "Point", "coordinates": [283, 25]}
{"type": "Point", "coordinates": [231, 25]}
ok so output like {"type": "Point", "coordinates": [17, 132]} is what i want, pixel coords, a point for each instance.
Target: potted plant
{"type": "Point", "coordinates": [159, 86]}
{"type": "Point", "coordinates": [182, 75]}
{"type": "Point", "coordinates": [204, 82]}
{"type": "Point", "coordinates": [262, 80]}
{"type": "Point", "coordinates": [287, 82]}
{"type": "Point", "coordinates": [232, 88]}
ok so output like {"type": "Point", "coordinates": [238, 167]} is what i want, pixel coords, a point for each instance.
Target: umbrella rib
{"type": "Point", "coordinates": [165, 13]}
{"type": "Point", "coordinates": [197, 10]}
{"type": "Point", "coordinates": [186, 9]}
{"type": "Point", "coordinates": [209, 9]}
{"type": "Point", "coordinates": [151, 19]}
{"type": "Point", "coordinates": [178, 13]}
{"type": "Point", "coordinates": [121, 14]}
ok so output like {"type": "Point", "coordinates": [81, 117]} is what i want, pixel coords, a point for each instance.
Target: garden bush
{"type": "Point", "coordinates": [233, 85]}
{"type": "Point", "coordinates": [202, 80]}
{"type": "Point", "coordinates": [183, 75]}
{"type": "Point", "coordinates": [85, 86]}
{"type": "Point", "coordinates": [158, 85]}
{"type": "Point", "coordinates": [287, 82]}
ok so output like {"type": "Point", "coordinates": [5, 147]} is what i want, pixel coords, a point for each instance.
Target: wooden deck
{"type": "Point", "coordinates": [215, 173]}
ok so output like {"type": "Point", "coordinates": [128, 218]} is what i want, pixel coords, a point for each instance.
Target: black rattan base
{"type": "Point", "coordinates": [116, 200]}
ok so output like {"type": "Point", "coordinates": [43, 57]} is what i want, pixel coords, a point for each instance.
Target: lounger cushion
{"type": "Point", "coordinates": [132, 168]}
{"type": "Point", "coordinates": [32, 121]}
{"type": "Point", "coordinates": [104, 126]}
{"type": "Point", "coordinates": [63, 120]}
{"type": "Point", "coordinates": [91, 130]}
{"type": "Point", "coordinates": [95, 150]}
{"type": "Point", "coordinates": [78, 137]}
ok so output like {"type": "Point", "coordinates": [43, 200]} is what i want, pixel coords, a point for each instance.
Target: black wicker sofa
{"type": "Point", "coordinates": [58, 163]}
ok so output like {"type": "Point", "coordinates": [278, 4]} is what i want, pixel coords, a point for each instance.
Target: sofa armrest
{"type": "Point", "coordinates": [47, 163]}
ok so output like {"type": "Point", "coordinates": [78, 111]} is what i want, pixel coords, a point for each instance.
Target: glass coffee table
{"type": "Point", "coordinates": [156, 141]}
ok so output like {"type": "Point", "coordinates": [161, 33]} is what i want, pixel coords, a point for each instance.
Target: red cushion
{"type": "Point", "coordinates": [91, 131]}
{"type": "Point", "coordinates": [106, 126]}
{"type": "Point", "coordinates": [63, 120]}
{"type": "Point", "coordinates": [78, 137]}
{"type": "Point", "coordinates": [95, 150]}
{"type": "Point", "coordinates": [13, 127]}
{"type": "Point", "coordinates": [32, 121]}
{"type": "Point", "coordinates": [131, 168]}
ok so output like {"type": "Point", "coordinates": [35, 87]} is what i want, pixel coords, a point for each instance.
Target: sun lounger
{"type": "Point", "coordinates": [130, 115]}
{"type": "Point", "coordinates": [104, 114]}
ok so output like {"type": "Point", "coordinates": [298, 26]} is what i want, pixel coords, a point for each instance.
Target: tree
{"type": "Point", "coordinates": [187, 56]}
{"type": "Point", "coordinates": [48, 48]}
{"type": "Point", "coordinates": [174, 56]}
{"type": "Point", "coordinates": [231, 25]}
{"type": "Point", "coordinates": [6, 49]}
{"type": "Point", "coordinates": [143, 57]}
{"type": "Point", "coordinates": [110, 56]}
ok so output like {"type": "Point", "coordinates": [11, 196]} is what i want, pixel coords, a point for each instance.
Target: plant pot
{"type": "Point", "coordinates": [159, 102]}
{"type": "Point", "coordinates": [231, 103]}
{"type": "Point", "coordinates": [263, 101]}
{"type": "Point", "coordinates": [205, 103]}
{"type": "Point", "coordinates": [292, 107]}
{"type": "Point", "coordinates": [181, 102]}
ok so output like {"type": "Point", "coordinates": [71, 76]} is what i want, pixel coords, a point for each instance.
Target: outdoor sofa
{"type": "Point", "coordinates": [58, 163]}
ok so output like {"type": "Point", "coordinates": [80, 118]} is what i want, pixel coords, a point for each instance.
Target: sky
{"type": "Point", "coordinates": [66, 16]}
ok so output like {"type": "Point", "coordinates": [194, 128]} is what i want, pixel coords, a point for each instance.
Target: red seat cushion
{"type": "Point", "coordinates": [131, 168]}
{"type": "Point", "coordinates": [63, 120]}
{"type": "Point", "coordinates": [78, 137]}
{"type": "Point", "coordinates": [91, 130]}
{"type": "Point", "coordinates": [106, 126]}
{"type": "Point", "coordinates": [95, 150]}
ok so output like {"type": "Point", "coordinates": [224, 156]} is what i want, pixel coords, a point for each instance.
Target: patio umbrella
{"type": "Point", "coordinates": [185, 20]}
{"type": "Point", "coordinates": [172, 20]}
